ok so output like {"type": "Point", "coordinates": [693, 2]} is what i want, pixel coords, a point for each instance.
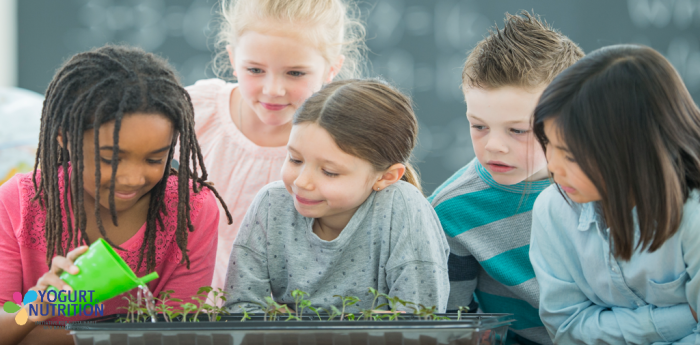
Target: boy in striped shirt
{"type": "Point", "coordinates": [485, 207]}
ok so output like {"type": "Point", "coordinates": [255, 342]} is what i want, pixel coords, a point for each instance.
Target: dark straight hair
{"type": "Point", "coordinates": [632, 127]}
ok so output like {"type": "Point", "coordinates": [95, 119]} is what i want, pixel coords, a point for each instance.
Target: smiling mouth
{"type": "Point", "coordinates": [125, 196]}
{"type": "Point", "coordinates": [272, 106]}
{"type": "Point", "coordinates": [307, 201]}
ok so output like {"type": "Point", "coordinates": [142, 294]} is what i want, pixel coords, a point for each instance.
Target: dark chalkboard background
{"type": "Point", "coordinates": [420, 45]}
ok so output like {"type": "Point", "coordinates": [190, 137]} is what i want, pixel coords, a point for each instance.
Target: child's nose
{"type": "Point", "coordinates": [496, 144]}
{"type": "Point", "coordinates": [130, 176]}
{"type": "Point", "coordinates": [274, 86]}
{"type": "Point", "coordinates": [304, 180]}
{"type": "Point", "coordinates": [553, 165]}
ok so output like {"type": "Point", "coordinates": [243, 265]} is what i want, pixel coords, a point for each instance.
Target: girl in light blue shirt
{"type": "Point", "coordinates": [616, 242]}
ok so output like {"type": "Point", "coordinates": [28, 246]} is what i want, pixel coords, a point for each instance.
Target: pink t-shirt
{"type": "Point", "coordinates": [238, 167]}
{"type": "Point", "coordinates": [23, 246]}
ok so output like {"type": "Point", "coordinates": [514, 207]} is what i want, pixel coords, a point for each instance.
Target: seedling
{"type": "Point", "coordinates": [207, 294]}
{"type": "Point", "coordinates": [316, 311]}
{"type": "Point", "coordinates": [208, 302]}
{"type": "Point", "coordinates": [168, 312]}
{"type": "Point", "coordinates": [367, 314]}
{"type": "Point", "coordinates": [394, 303]}
{"type": "Point", "coordinates": [186, 309]}
{"type": "Point", "coordinates": [426, 313]}
{"type": "Point", "coordinates": [333, 313]}
{"type": "Point", "coordinates": [245, 314]}
{"type": "Point", "coordinates": [130, 308]}
{"type": "Point", "coordinates": [300, 303]}
{"type": "Point", "coordinates": [347, 301]}
{"type": "Point", "coordinates": [214, 296]}
{"type": "Point", "coordinates": [461, 310]}
{"type": "Point", "coordinates": [273, 309]}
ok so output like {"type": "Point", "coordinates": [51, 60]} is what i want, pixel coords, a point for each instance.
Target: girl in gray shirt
{"type": "Point", "coordinates": [348, 214]}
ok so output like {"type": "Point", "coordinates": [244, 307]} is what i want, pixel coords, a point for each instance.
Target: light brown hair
{"type": "Point", "coordinates": [368, 119]}
{"type": "Point", "coordinates": [526, 53]}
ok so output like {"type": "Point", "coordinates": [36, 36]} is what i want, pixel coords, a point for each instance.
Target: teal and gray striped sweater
{"type": "Point", "coordinates": [488, 229]}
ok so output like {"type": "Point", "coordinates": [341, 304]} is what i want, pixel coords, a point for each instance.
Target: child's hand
{"type": "Point", "coordinates": [695, 315]}
{"type": "Point", "coordinates": [58, 265]}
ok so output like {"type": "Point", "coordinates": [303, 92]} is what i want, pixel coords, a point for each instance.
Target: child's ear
{"type": "Point", "coordinates": [390, 176]}
{"type": "Point", "coordinates": [335, 68]}
{"type": "Point", "coordinates": [59, 138]}
{"type": "Point", "coordinates": [231, 59]}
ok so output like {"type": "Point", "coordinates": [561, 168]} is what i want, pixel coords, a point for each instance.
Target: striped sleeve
{"type": "Point", "coordinates": [463, 271]}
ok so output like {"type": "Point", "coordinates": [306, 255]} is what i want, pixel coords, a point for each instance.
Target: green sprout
{"type": "Point", "coordinates": [367, 314]}
{"type": "Point", "coordinates": [333, 313]}
{"type": "Point", "coordinates": [347, 301]}
{"type": "Point", "coordinates": [130, 308]}
{"type": "Point", "coordinates": [186, 309]}
{"type": "Point", "coordinates": [245, 314]}
{"type": "Point", "coordinates": [425, 312]}
{"type": "Point", "coordinates": [299, 301]}
{"type": "Point", "coordinates": [394, 303]}
{"type": "Point", "coordinates": [168, 313]}
{"type": "Point", "coordinates": [316, 311]}
{"type": "Point", "coordinates": [207, 300]}
{"type": "Point", "coordinates": [461, 310]}
{"type": "Point", "coordinates": [273, 309]}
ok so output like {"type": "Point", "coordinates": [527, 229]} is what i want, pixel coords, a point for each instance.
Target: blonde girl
{"type": "Point", "coordinates": [280, 52]}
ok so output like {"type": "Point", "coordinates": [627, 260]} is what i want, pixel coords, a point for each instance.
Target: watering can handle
{"type": "Point", "coordinates": [148, 277]}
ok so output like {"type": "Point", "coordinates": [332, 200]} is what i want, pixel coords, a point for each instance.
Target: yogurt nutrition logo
{"type": "Point", "coordinates": [61, 303]}
{"type": "Point", "coordinates": [12, 307]}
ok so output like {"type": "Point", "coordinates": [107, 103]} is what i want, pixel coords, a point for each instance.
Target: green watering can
{"type": "Point", "coordinates": [104, 272]}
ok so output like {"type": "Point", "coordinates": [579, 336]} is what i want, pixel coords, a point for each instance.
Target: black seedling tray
{"type": "Point", "coordinates": [409, 329]}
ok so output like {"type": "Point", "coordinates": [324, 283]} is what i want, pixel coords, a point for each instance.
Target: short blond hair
{"type": "Point", "coordinates": [332, 26]}
{"type": "Point", "coordinates": [527, 53]}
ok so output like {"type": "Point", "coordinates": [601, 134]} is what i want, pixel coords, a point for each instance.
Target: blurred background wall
{"type": "Point", "coordinates": [8, 43]}
{"type": "Point", "coordinates": [420, 45]}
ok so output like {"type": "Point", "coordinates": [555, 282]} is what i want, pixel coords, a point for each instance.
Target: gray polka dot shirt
{"type": "Point", "coordinates": [393, 243]}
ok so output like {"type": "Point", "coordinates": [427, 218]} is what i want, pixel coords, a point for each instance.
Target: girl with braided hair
{"type": "Point", "coordinates": [111, 120]}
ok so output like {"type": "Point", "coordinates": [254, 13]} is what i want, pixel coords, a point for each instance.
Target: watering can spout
{"type": "Point", "coordinates": [147, 278]}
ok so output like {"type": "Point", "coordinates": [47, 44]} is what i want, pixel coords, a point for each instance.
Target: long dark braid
{"type": "Point", "coordinates": [94, 88]}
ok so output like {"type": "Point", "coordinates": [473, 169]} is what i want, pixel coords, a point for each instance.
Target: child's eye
{"type": "Point", "coordinates": [330, 174]}
{"type": "Point", "coordinates": [570, 159]}
{"type": "Point", "coordinates": [107, 161]}
{"type": "Point", "coordinates": [296, 73]}
{"type": "Point", "coordinates": [154, 161]}
{"type": "Point", "coordinates": [478, 128]}
{"type": "Point", "coordinates": [294, 161]}
{"type": "Point", "coordinates": [255, 70]}
{"type": "Point", "coordinates": [519, 131]}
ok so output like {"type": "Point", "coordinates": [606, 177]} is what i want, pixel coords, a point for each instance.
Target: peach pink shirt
{"type": "Point", "coordinates": [238, 167]}
{"type": "Point", "coordinates": [23, 245]}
